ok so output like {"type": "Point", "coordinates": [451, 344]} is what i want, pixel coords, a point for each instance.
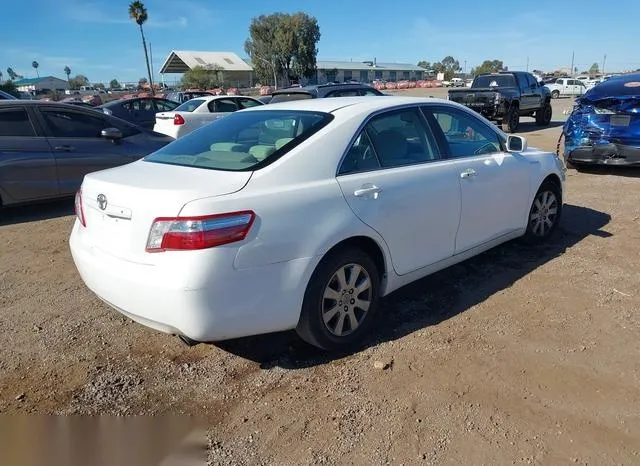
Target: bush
{"type": "Point", "coordinates": [10, 88]}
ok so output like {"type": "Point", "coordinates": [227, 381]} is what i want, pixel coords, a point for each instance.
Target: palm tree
{"type": "Point", "coordinates": [67, 71]}
{"type": "Point", "coordinates": [35, 65]}
{"type": "Point", "coordinates": [138, 13]}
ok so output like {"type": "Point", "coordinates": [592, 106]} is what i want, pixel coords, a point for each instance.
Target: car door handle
{"type": "Point", "coordinates": [64, 148]}
{"type": "Point", "coordinates": [367, 190]}
{"type": "Point", "coordinates": [468, 173]}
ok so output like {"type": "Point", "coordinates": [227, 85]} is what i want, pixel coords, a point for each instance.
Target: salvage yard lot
{"type": "Point", "coordinates": [521, 355]}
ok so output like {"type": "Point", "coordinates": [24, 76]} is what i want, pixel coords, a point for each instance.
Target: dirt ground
{"type": "Point", "coordinates": [519, 356]}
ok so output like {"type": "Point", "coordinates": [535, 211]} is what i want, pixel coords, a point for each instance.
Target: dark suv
{"type": "Point", "coordinates": [323, 90]}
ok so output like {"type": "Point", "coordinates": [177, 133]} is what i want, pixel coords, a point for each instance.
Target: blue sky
{"type": "Point", "coordinates": [95, 37]}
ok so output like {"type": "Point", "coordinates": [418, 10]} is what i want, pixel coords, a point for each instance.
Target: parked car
{"type": "Point", "coordinates": [183, 96]}
{"type": "Point", "coordinates": [139, 110]}
{"type": "Point", "coordinates": [505, 97]}
{"type": "Point", "coordinates": [7, 96]}
{"type": "Point", "coordinates": [323, 90]}
{"type": "Point", "coordinates": [46, 148]}
{"type": "Point", "coordinates": [302, 215]}
{"type": "Point", "coordinates": [604, 126]}
{"type": "Point", "coordinates": [566, 87]}
{"type": "Point", "coordinates": [195, 113]}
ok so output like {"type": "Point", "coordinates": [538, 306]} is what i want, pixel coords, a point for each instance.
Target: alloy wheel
{"type": "Point", "coordinates": [346, 299]}
{"type": "Point", "coordinates": [544, 213]}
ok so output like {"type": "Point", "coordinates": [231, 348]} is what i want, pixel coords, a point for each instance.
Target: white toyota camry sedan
{"type": "Point", "coordinates": [302, 215]}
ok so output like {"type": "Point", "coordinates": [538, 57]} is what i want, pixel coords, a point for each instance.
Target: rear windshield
{"type": "Point", "coordinates": [289, 96]}
{"type": "Point", "coordinates": [500, 80]}
{"type": "Point", "coordinates": [242, 141]}
{"type": "Point", "coordinates": [189, 105]}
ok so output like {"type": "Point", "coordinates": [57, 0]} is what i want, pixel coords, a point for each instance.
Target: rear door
{"type": "Point", "coordinates": [27, 166]}
{"type": "Point", "coordinates": [494, 184]}
{"type": "Point", "coordinates": [395, 181]}
{"type": "Point", "coordinates": [78, 147]}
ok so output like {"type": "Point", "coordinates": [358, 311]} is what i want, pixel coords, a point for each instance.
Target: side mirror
{"type": "Point", "coordinates": [112, 134]}
{"type": "Point", "coordinates": [516, 144]}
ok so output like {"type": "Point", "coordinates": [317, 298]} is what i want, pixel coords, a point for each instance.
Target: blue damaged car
{"type": "Point", "coordinates": [604, 127]}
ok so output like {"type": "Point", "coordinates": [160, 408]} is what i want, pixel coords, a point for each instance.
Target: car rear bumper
{"type": "Point", "coordinates": [204, 299]}
{"type": "Point", "coordinates": [605, 154]}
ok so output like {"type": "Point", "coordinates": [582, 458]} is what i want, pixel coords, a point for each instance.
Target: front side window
{"type": "Point", "coordinates": [289, 96]}
{"type": "Point", "coordinates": [189, 105]}
{"type": "Point", "coordinates": [15, 122]}
{"type": "Point", "coordinates": [392, 139]}
{"type": "Point", "coordinates": [242, 141]}
{"type": "Point", "coordinates": [164, 105]}
{"type": "Point", "coordinates": [466, 135]}
{"type": "Point", "coordinates": [247, 103]}
{"type": "Point", "coordinates": [67, 124]}
{"type": "Point", "coordinates": [222, 106]}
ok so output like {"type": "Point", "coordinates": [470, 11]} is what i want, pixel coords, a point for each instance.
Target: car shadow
{"type": "Point", "coordinates": [531, 126]}
{"type": "Point", "coordinates": [435, 298]}
{"type": "Point", "coordinates": [36, 212]}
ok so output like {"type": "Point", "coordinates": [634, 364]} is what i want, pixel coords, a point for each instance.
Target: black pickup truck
{"type": "Point", "coordinates": [505, 97]}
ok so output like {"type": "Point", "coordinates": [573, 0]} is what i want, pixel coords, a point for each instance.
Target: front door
{"type": "Point", "coordinates": [27, 166]}
{"type": "Point", "coordinates": [395, 181]}
{"type": "Point", "coordinates": [78, 147]}
{"type": "Point", "coordinates": [491, 181]}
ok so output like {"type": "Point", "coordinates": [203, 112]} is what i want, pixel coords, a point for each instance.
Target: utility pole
{"type": "Point", "coordinates": [527, 65]}
{"type": "Point", "coordinates": [573, 54]}
{"type": "Point", "coordinates": [604, 60]}
{"type": "Point", "coordinates": [465, 67]}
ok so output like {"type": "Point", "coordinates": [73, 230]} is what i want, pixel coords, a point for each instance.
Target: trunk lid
{"type": "Point", "coordinates": [120, 204]}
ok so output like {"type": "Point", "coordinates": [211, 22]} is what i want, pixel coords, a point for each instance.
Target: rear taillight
{"type": "Point", "coordinates": [79, 209]}
{"type": "Point", "coordinates": [178, 120]}
{"type": "Point", "coordinates": [189, 233]}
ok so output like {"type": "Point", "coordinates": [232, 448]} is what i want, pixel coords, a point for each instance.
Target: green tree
{"type": "Point", "coordinates": [595, 69]}
{"type": "Point", "coordinates": [425, 64]}
{"type": "Point", "coordinates": [12, 74]}
{"type": "Point", "coordinates": [138, 13]}
{"type": "Point", "coordinates": [488, 66]}
{"type": "Point", "coordinates": [78, 81]}
{"type": "Point", "coordinates": [284, 45]}
{"type": "Point", "coordinates": [35, 65]}
{"type": "Point", "coordinates": [1, 75]}
{"type": "Point", "coordinates": [114, 84]}
{"type": "Point", "coordinates": [201, 77]}
{"type": "Point", "coordinates": [67, 71]}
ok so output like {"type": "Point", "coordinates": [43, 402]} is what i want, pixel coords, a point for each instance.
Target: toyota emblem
{"type": "Point", "coordinates": [102, 201]}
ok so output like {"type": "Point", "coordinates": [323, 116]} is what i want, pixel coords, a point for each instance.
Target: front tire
{"type": "Point", "coordinates": [545, 213]}
{"type": "Point", "coordinates": [341, 301]}
{"type": "Point", "coordinates": [555, 94]}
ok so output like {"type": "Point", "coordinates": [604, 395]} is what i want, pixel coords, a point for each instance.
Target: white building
{"type": "Point", "coordinates": [45, 83]}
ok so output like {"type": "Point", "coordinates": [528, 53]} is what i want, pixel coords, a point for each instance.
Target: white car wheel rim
{"type": "Point", "coordinates": [544, 213]}
{"type": "Point", "coordinates": [346, 300]}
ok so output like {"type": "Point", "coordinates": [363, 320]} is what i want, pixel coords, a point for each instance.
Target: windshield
{"type": "Point", "coordinates": [288, 96]}
{"type": "Point", "coordinates": [495, 80]}
{"type": "Point", "coordinates": [189, 105]}
{"type": "Point", "coordinates": [242, 140]}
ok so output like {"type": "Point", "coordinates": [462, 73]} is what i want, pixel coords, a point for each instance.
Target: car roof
{"type": "Point", "coordinates": [357, 104]}
{"type": "Point", "coordinates": [315, 87]}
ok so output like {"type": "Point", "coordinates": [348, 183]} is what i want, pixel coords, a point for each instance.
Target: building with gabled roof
{"type": "Point", "coordinates": [44, 83]}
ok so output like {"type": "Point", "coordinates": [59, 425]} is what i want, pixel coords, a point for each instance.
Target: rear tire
{"type": "Point", "coordinates": [511, 120]}
{"type": "Point", "coordinates": [341, 301]}
{"type": "Point", "coordinates": [545, 213]}
{"type": "Point", "coordinates": [544, 115]}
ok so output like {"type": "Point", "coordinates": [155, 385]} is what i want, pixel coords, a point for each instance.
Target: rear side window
{"type": "Point", "coordinates": [189, 105]}
{"type": "Point", "coordinates": [242, 140]}
{"type": "Point", "coordinates": [164, 105]}
{"type": "Point", "coordinates": [66, 124]}
{"type": "Point", "coordinates": [289, 96]}
{"type": "Point", "coordinates": [247, 103]}
{"type": "Point", "coordinates": [222, 106]}
{"type": "Point", "coordinates": [15, 122]}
